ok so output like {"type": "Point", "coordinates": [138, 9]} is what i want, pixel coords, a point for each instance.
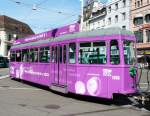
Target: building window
{"type": "Point", "coordinates": [147, 18]}
{"type": "Point", "coordinates": [109, 21]}
{"type": "Point", "coordinates": [116, 6]}
{"type": "Point", "coordinates": [141, 2]}
{"type": "Point", "coordinates": [148, 35]}
{"type": "Point", "coordinates": [138, 3]}
{"type": "Point", "coordinates": [135, 4]}
{"type": "Point", "coordinates": [89, 7]}
{"type": "Point", "coordinates": [9, 37]}
{"type": "Point", "coordinates": [138, 21]}
{"type": "Point", "coordinates": [123, 16]}
{"type": "Point", "coordinates": [99, 24]}
{"type": "Point", "coordinates": [109, 9]}
{"type": "Point", "coordinates": [124, 3]}
{"type": "Point", "coordinates": [116, 19]}
{"type": "Point", "coordinates": [139, 36]}
{"type": "Point", "coordinates": [124, 27]}
{"type": "Point", "coordinates": [103, 23]}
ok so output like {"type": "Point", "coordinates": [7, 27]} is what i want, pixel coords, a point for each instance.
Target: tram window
{"type": "Point", "coordinates": [129, 52]}
{"type": "Point", "coordinates": [53, 54]}
{"type": "Point", "coordinates": [72, 53]}
{"type": "Point", "coordinates": [64, 54]}
{"type": "Point", "coordinates": [44, 55]}
{"type": "Point", "coordinates": [12, 56]}
{"type": "Point", "coordinates": [18, 56]}
{"type": "Point", "coordinates": [31, 59]}
{"type": "Point", "coordinates": [56, 54]}
{"type": "Point", "coordinates": [25, 55]}
{"type": "Point", "coordinates": [33, 55]}
{"type": "Point", "coordinates": [114, 52]}
{"type": "Point", "coordinates": [60, 54]}
{"type": "Point", "coordinates": [92, 53]}
{"type": "Point", "coordinates": [36, 55]}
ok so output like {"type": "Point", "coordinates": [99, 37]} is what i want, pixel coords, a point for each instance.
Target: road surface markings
{"type": "Point", "coordinates": [18, 88]}
{"type": "Point", "coordinates": [5, 76]}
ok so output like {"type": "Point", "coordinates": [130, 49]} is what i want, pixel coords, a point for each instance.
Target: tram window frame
{"type": "Point", "coordinates": [72, 54]}
{"type": "Point", "coordinates": [94, 52]}
{"type": "Point", "coordinates": [18, 55]}
{"type": "Point", "coordinates": [44, 52]}
{"type": "Point", "coordinates": [12, 56]}
{"type": "Point", "coordinates": [114, 61]}
{"type": "Point", "coordinates": [25, 55]}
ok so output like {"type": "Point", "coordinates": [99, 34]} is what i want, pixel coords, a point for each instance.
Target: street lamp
{"type": "Point", "coordinates": [81, 18]}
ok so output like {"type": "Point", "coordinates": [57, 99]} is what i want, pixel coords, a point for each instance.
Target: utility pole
{"type": "Point", "coordinates": [81, 16]}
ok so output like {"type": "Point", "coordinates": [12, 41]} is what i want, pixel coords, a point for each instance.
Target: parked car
{"type": "Point", "coordinates": [4, 62]}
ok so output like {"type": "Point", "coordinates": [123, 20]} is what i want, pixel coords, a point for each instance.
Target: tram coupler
{"type": "Point", "coordinates": [141, 99]}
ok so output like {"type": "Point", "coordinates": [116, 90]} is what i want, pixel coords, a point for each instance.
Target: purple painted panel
{"type": "Point", "coordinates": [37, 73]}
{"type": "Point", "coordinates": [32, 38]}
{"type": "Point", "coordinates": [67, 29]}
{"type": "Point", "coordinates": [71, 77]}
{"type": "Point", "coordinates": [12, 69]}
{"type": "Point", "coordinates": [91, 81]}
{"type": "Point", "coordinates": [49, 34]}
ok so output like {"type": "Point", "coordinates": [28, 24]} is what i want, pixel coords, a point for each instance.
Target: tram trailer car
{"type": "Point", "coordinates": [95, 63]}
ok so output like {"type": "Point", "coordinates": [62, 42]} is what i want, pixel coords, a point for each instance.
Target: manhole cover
{"type": "Point", "coordinates": [23, 105]}
{"type": "Point", "coordinates": [52, 106]}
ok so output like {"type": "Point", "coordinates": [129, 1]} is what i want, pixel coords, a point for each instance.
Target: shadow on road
{"type": "Point", "coordinates": [118, 100]}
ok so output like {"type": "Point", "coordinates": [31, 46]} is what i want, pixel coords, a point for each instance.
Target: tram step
{"type": "Point", "coordinates": [59, 88]}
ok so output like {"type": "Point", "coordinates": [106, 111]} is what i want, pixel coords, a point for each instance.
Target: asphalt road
{"type": "Point", "coordinates": [4, 72]}
{"type": "Point", "coordinates": [25, 99]}
{"type": "Point", "coordinates": [22, 99]}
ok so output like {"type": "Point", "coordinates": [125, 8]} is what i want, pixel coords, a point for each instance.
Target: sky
{"type": "Point", "coordinates": [49, 14]}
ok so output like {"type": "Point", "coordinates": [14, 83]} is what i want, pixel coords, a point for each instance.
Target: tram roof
{"type": "Point", "coordinates": [99, 32]}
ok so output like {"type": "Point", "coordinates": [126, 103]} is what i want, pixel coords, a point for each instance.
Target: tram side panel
{"type": "Point", "coordinates": [90, 81]}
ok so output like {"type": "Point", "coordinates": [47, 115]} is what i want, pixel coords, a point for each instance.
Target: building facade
{"type": "Point", "coordinates": [140, 24]}
{"type": "Point", "coordinates": [116, 13]}
{"type": "Point", "coordinates": [10, 30]}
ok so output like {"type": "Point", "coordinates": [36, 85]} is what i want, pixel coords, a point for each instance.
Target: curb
{"type": "Point", "coordinates": [3, 77]}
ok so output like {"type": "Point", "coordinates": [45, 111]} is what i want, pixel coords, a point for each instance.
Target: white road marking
{"type": "Point", "coordinates": [18, 88]}
{"type": "Point", "coordinates": [5, 76]}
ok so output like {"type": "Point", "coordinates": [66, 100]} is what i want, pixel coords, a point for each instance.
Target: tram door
{"type": "Point", "coordinates": [60, 71]}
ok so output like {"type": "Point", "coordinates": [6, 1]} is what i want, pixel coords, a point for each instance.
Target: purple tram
{"type": "Point", "coordinates": [95, 63]}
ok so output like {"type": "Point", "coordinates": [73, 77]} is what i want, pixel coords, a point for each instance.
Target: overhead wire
{"type": "Point", "coordinates": [38, 6]}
